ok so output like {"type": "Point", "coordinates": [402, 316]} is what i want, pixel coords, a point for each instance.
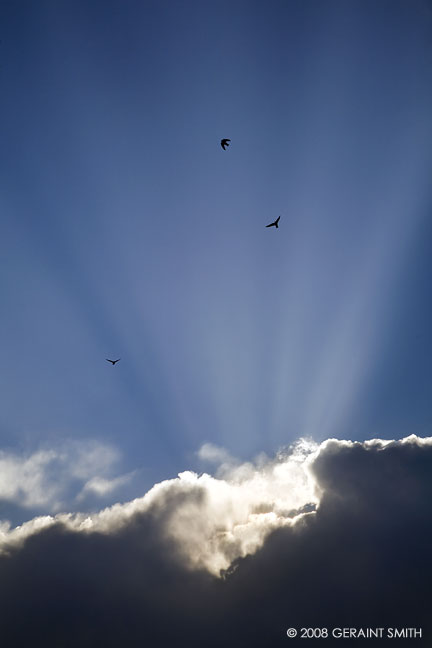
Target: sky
{"type": "Point", "coordinates": [128, 232]}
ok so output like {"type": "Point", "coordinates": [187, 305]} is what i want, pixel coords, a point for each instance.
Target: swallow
{"type": "Point", "coordinates": [224, 143]}
{"type": "Point", "coordinates": [275, 224]}
{"type": "Point", "coordinates": [112, 361]}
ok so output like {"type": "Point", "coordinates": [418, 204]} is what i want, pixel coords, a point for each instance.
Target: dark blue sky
{"type": "Point", "coordinates": [127, 232]}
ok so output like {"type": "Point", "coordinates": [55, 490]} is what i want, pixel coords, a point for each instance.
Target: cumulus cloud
{"type": "Point", "coordinates": [212, 520]}
{"type": "Point", "coordinates": [48, 478]}
{"type": "Point", "coordinates": [336, 534]}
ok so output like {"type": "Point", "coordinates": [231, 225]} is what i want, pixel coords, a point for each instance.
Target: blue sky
{"type": "Point", "coordinates": [128, 232]}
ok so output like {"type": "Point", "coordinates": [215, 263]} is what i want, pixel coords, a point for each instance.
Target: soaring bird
{"type": "Point", "coordinates": [225, 143]}
{"type": "Point", "coordinates": [275, 224]}
{"type": "Point", "coordinates": [112, 361]}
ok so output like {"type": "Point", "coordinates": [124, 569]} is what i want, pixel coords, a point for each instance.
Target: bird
{"type": "Point", "coordinates": [275, 224]}
{"type": "Point", "coordinates": [224, 143]}
{"type": "Point", "coordinates": [112, 361]}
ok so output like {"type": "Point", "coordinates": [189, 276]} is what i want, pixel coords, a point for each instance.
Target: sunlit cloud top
{"type": "Point", "coordinates": [213, 521]}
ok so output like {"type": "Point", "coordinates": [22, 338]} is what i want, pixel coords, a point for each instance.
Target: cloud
{"type": "Point", "coordinates": [102, 486]}
{"type": "Point", "coordinates": [48, 478]}
{"type": "Point", "coordinates": [212, 520]}
{"type": "Point", "coordinates": [329, 535]}
{"type": "Point", "coordinates": [215, 455]}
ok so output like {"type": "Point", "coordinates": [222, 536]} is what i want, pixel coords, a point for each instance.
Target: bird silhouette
{"type": "Point", "coordinates": [275, 224]}
{"type": "Point", "coordinates": [112, 361]}
{"type": "Point", "coordinates": [224, 143]}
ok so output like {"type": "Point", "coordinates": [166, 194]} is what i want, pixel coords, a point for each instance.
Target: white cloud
{"type": "Point", "coordinates": [215, 454]}
{"type": "Point", "coordinates": [214, 520]}
{"type": "Point", "coordinates": [22, 479]}
{"type": "Point", "coordinates": [45, 478]}
{"type": "Point", "coordinates": [102, 486]}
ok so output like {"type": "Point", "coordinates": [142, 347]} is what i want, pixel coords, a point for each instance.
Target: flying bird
{"type": "Point", "coordinates": [224, 143]}
{"type": "Point", "coordinates": [275, 224]}
{"type": "Point", "coordinates": [112, 361]}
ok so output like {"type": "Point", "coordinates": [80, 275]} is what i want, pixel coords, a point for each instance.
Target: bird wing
{"type": "Point", "coordinates": [277, 219]}
{"type": "Point", "coordinates": [108, 360]}
{"type": "Point", "coordinates": [271, 225]}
